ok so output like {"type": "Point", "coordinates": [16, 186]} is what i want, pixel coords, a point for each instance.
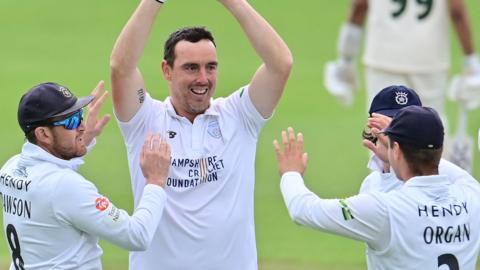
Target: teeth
{"type": "Point", "coordinates": [199, 91]}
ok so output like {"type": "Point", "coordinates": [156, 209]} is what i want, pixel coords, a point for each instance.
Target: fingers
{"type": "Point", "coordinates": [291, 134]}
{"type": "Point", "coordinates": [98, 89]}
{"type": "Point", "coordinates": [290, 142]}
{"type": "Point", "coordinates": [305, 159]}
{"type": "Point", "coordinates": [288, 139]}
{"type": "Point", "coordinates": [103, 122]}
{"type": "Point", "coordinates": [300, 143]}
{"type": "Point", "coordinates": [276, 147]}
{"type": "Point", "coordinates": [285, 141]}
{"type": "Point", "coordinates": [369, 144]}
{"type": "Point", "coordinates": [379, 121]}
{"type": "Point", "coordinates": [164, 147]}
{"type": "Point", "coordinates": [155, 142]}
{"type": "Point", "coordinates": [145, 148]}
{"type": "Point", "coordinates": [94, 107]}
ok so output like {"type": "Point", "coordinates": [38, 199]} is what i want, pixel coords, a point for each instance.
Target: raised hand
{"type": "Point", "coordinates": [293, 157]}
{"type": "Point", "coordinates": [155, 159]}
{"type": "Point", "coordinates": [94, 125]}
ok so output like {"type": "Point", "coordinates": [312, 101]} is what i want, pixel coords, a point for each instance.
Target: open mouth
{"type": "Point", "coordinates": [199, 90]}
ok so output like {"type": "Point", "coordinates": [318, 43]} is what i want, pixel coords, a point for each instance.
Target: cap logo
{"type": "Point", "coordinates": [401, 98]}
{"type": "Point", "coordinates": [65, 92]}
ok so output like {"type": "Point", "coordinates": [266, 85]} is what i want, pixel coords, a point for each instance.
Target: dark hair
{"type": "Point", "coordinates": [420, 161]}
{"type": "Point", "coordinates": [30, 136]}
{"type": "Point", "coordinates": [191, 34]}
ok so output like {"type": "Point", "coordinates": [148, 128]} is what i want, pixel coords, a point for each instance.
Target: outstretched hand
{"type": "Point", "coordinates": [293, 157]}
{"type": "Point", "coordinates": [94, 125]}
{"type": "Point", "coordinates": [155, 159]}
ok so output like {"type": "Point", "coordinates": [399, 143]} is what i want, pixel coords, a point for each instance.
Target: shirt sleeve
{"type": "Point", "coordinates": [362, 217]}
{"type": "Point", "coordinates": [78, 203]}
{"type": "Point", "coordinates": [241, 103]}
{"type": "Point", "coordinates": [134, 130]}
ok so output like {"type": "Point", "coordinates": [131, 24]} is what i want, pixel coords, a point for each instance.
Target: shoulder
{"type": "Point", "coordinates": [69, 182]}
{"type": "Point", "coordinates": [369, 182]}
{"type": "Point", "coordinates": [9, 162]}
{"type": "Point", "coordinates": [452, 171]}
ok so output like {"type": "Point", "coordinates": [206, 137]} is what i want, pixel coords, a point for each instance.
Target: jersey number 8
{"type": "Point", "coordinates": [14, 244]}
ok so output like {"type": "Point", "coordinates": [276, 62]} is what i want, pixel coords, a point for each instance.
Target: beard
{"type": "Point", "coordinates": [65, 150]}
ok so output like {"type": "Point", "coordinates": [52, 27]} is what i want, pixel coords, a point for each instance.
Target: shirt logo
{"type": "Point", "coordinates": [401, 98]}
{"type": "Point", "coordinates": [214, 129]}
{"type": "Point", "coordinates": [171, 134]}
{"type": "Point", "coordinates": [347, 215]}
{"type": "Point", "coordinates": [21, 171]}
{"type": "Point", "coordinates": [101, 204]}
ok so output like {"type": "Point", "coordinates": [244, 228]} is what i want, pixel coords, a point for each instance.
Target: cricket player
{"type": "Point", "coordinates": [208, 221]}
{"type": "Point", "coordinates": [428, 223]}
{"type": "Point", "coordinates": [53, 217]}
{"type": "Point", "coordinates": [406, 43]}
{"type": "Point", "coordinates": [382, 109]}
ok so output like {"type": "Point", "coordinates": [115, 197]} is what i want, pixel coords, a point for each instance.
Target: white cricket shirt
{"type": "Point", "coordinates": [409, 38]}
{"type": "Point", "coordinates": [208, 221]}
{"type": "Point", "coordinates": [53, 217]}
{"type": "Point", "coordinates": [427, 223]}
{"type": "Point", "coordinates": [384, 182]}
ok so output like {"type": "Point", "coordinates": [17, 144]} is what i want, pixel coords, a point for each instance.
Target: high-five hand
{"type": "Point", "coordinates": [94, 125]}
{"type": "Point", "coordinates": [293, 157]}
{"type": "Point", "coordinates": [155, 159]}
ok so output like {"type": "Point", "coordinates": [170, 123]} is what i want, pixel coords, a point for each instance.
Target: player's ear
{"type": "Point", "coordinates": [397, 151]}
{"type": "Point", "coordinates": [167, 70]}
{"type": "Point", "coordinates": [44, 135]}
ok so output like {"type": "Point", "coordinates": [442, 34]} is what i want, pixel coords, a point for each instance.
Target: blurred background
{"type": "Point", "coordinates": [69, 42]}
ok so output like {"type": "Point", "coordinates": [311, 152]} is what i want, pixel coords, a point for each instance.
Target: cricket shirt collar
{"type": "Point", "coordinates": [172, 113]}
{"type": "Point", "coordinates": [34, 152]}
{"type": "Point", "coordinates": [428, 181]}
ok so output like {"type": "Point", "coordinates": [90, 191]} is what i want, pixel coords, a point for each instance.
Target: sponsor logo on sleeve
{"type": "Point", "coordinates": [347, 214]}
{"type": "Point", "coordinates": [101, 204]}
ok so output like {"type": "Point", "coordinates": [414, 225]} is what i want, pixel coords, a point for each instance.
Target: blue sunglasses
{"type": "Point", "coordinates": [72, 122]}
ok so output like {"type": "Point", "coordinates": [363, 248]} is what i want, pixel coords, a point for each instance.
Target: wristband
{"type": "Point", "coordinates": [161, 1]}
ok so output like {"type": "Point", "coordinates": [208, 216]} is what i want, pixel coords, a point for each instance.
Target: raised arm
{"type": "Point", "coordinates": [361, 217]}
{"type": "Point", "coordinates": [461, 22]}
{"type": "Point", "coordinates": [268, 83]}
{"type": "Point", "coordinates": [128, 90]}
{"type": "Point", "coordinates": [341, 74]}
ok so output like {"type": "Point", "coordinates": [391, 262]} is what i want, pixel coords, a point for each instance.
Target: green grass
{"type": "Point", "coordinates": [70, 42]}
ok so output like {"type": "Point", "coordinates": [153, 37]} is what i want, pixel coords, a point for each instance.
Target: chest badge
{"type": "Point", "coordinates": [214, 129]}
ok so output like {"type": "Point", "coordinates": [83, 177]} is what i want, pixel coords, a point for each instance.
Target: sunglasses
{"type": "Point", "coordinates": [71, 122]}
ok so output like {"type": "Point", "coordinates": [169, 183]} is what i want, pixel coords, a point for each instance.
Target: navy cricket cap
{"type": "Point", "coordinates": [45, 101]}
{"type": "Point", "coordinates": [419, 127]}
{"type": "Point", "coordinates": [393, 98]}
